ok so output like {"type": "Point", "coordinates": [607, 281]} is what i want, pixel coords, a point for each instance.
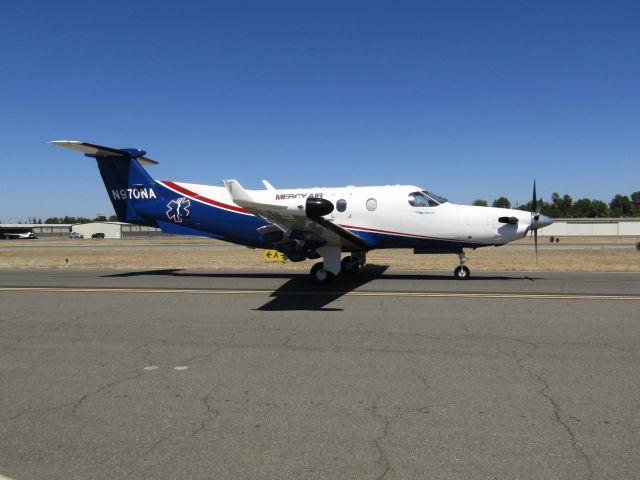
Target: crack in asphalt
{"type": "Point", "coordinates": [154, 445]}
{"type": "Point", "coordinates": [147, 353]}
{"type": "Point", "coordinates": [469, 335]}
{"type": "Point", "coordinates": [20, 338]}
{"type": "Point", "coordinates": [191, 360]}
{"type": "Point", "coordinates": [209, 416]}
{"type": "Point", "coordinates": [382, 456]}
{"type": "Point", "coordinates": [35, 411]}
{"type": "Point", "coordinates": [556, 412]}
{"type": "Point", "coordinates": [130, 376]}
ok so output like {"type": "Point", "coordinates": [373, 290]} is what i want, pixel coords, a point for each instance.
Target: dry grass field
{"type": "Point", "coordinates": [573, 254]}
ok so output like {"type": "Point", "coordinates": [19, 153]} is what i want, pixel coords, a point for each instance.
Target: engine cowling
{"type": "Point", "coordinates": [318, 207]}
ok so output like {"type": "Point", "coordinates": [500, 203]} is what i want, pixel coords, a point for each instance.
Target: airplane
{"type": "Point", "coordinates": [307, 223]}
{"type": "Point", "coordinates": [19, 235]}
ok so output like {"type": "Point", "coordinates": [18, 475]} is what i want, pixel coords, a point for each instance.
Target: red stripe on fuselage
{"type": "Point", "coordinates": [388, 232]}
{"type": "Point", "coordinates": [203, 199]}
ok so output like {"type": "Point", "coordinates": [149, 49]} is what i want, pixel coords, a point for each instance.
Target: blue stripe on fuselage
{"type": "Point", "coordinates": [217, 222]}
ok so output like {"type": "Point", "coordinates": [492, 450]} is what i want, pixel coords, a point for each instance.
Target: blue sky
{"type": "Point", "coordinates": [469, 99]}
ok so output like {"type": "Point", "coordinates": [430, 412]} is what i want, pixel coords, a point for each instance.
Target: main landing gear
{"type": "Point", "coordinates": [324, 273]}
{"type": "Point", "coordinates": [462, 272]}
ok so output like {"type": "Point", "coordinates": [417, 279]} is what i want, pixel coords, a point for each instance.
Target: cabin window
{"type": "Point", "coordinates": [372, 204]}
{"type": "Point", "coordinates": [341, 205]}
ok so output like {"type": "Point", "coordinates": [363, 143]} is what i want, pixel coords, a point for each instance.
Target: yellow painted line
{"type": "Point", "coordinates": [2, 477]}
{"type": "Point", "coordinates": [524, 296]}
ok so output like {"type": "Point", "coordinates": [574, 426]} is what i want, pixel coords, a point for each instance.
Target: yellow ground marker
{"type": "Point", "coordinates": [273, 256]}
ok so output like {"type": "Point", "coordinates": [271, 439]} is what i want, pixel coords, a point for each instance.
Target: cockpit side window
{"type": "Point", "coordinates": [419, 199]}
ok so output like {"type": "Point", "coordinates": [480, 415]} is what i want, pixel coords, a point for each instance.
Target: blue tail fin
{"type": "Point", "coordinates": [129, 186]}
{"type": "Point", "coordinates": [131, 190]}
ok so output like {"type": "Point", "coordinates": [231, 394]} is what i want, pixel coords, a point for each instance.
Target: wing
{"type": "Point", "coordinates": [298, 222]}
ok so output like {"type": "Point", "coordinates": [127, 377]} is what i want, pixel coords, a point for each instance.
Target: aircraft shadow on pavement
{"type": "Point", "coordinates": [299, 293]}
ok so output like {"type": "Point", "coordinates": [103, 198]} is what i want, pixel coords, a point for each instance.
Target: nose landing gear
{"type": "Point", "coordinates": [462, 272]}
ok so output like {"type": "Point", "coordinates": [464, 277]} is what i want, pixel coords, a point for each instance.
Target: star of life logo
{"type": "Point", "coordinates": [177, 209]}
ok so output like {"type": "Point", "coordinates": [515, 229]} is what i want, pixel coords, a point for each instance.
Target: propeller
{"type": "Point", "coordinates": [535, 216]}
{"type": "Point", "coordinates": [535, 219]}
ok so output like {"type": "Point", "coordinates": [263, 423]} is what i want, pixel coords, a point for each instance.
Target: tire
{"type": "Point", "coordinates": [462, 273]}
{"type": "Point", "coordinates": [348, 267]}
{"type": "Point", "coordinates": [320, 276]}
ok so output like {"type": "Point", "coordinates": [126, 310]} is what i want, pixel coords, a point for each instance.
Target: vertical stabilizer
{"type": "Point", "coordinates": [130, 188]}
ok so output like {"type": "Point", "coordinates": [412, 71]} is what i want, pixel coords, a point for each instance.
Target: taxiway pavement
{"type": "Point", "coordinates": [239, 374]}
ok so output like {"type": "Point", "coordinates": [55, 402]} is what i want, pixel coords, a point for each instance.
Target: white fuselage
{"type": "Point", "coordinates": [386, 210]}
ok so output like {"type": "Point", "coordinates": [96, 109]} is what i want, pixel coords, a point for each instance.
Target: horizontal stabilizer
{"type": "Point", "coordinates": [100, 151]}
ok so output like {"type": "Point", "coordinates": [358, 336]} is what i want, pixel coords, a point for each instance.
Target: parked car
{"type": "Point", "coordinates": [98, 235]}
{"type": "Point", "coordinates": [75, 235]}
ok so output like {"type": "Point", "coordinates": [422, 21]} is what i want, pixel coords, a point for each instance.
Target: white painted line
{"type": "Point", "coordinates": [180, 367]}
{"type": "Point", "coordinates": [2, 477]}
{"type": "Point", "coordinates": [148, 369]}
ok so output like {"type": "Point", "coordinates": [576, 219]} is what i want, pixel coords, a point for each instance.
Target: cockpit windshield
{"type": "Point", "coordinates": [425, 199]}
{"type": "Point", "coordinates": [435, 197]}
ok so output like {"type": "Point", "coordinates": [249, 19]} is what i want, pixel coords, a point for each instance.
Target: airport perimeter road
{"type": "Point", "coordinates": [229, 375]}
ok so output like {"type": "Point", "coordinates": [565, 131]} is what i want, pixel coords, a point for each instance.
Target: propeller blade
{"type": "Point", "coordinates": [535, 217]}
{"type": "Point", "coordinates": [534, 203]}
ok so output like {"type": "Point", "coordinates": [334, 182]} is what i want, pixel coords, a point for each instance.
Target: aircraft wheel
{"type": "Point", "coordinates": [462, 273]}
{"type": "Point", "coordinates": [348, 266]}
{"type": "Point", "coordinates": [320, 276]}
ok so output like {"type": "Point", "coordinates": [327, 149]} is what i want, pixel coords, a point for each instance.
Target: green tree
{"type": "Point", "coordinates": [599, 209]}
{"type": "Point", "coordinates": [480, 203]}
{"type": "Point", "coordinates": [635, 204]}
{"type": "Point", "coordinates": [113, 218]}
{"type": "Point", "coordinates": [620, 206]}
{"type": "Point", "coordinates": [560, 205]}
{"type": "Point", "coordinates": [100, 218]}
{"type": "Point", "coordinates": [52, 221]}
{"type": "Point", "coordinates": [586, 208]}
{"type": "Point", "coordinates": [502, 202]}
{"type": "Point", "coordinates": [581, 208]}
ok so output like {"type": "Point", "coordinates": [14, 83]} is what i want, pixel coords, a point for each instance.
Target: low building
{"type": "Point", "coordinates": [592, 227]}
{"type": "Point", "coordinates": [114, 229]}
{"type": "Point", "coordinates": [108, 229]}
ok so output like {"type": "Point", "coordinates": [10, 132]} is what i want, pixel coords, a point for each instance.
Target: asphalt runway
{"type": "Point", "coordinates": [396, 375]}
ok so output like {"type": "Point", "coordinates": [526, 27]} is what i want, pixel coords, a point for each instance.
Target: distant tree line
{"type": "Point", "coordinates": [67, 219]}
{"type": "Point", "coordinates": [563, 206]}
